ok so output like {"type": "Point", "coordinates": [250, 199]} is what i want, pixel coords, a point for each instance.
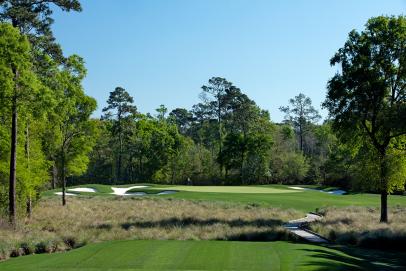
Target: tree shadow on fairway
{"type": "Point", "coordinates": [343, 258]}
{"type": "Point", "coordinates": [274, 234]}
{"type": "Point", "coordinates": [191, 221]}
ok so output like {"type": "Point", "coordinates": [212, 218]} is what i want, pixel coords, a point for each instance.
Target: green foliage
{"type": "Point", "coordinates": [32, 165]}
{"type": "Point", "coordinates": [182, 118]}
{"type": "Point", "coordinates": [365, 169]}
{"type": "Point", "coordinates": [287, 164]}
{"type": "Point", "coordinates": [15, 55]}
{"type": "Point", "coordinates": [191, 145]}
{"type": "Point", "coordinates": [33, 18]}
{"type": "Point", "coordinates": [41, 91]}
{"type": "Point", "coordinates": [367, 98]}
{"type": "Point", "coordinates": [23, 92]}
{"type": "Point", "coordinates": [189, 161]}
{"type": "Point", "coordinates": [290, 167]}
{"type": "Point", "coordinates": [76, 133]}
{"type": "Point", "coordinates": [120, 111]}
{"type": "Point", "coordinates": [301, 114]}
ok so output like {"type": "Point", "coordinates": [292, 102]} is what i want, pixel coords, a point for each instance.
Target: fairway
{"type": "Point", "coordinates": [201, 255]}
{"type": "Point", "coordinates": [232, 189]}
{"type": "Point", "coordinates": [277, 196]}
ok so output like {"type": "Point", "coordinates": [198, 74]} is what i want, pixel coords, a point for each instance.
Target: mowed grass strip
{"type": "Point", "coordinates": [202, 255]}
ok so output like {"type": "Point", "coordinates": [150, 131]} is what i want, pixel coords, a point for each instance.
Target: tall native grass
{"type": "Point", "coordinates": [88, 220]}
{"type": "Point", "coordinates": [360, 226]}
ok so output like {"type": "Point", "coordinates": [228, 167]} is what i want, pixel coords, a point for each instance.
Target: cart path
{"type": "Point", "coordinates": [295, 226]}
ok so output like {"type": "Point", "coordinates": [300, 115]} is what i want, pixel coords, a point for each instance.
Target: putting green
{"type": "Point", "coordinates": [231, 189]}
{"type": "Point", "coordinates": [204, 255]}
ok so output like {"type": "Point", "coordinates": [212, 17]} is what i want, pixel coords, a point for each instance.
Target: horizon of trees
{"type": "Point", "coordinates": [48, 138]}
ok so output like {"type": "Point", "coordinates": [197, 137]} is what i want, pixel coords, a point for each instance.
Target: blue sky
{"type": "Point", "coordinates": [162, 52]}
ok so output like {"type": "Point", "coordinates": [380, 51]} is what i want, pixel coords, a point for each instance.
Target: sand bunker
{"type": "Point", "coordinates": [333, 192]}
{"type": "Point", "coordinates": [66, 194]}
{"type": "Point", "coordinates": [119, 191]}
{"type": "Point", "coordinates": [83, 189]}
{"type": "Point", "coordinates": [337, 192]}
{"type": "Point", "coordinates": [122, 191]}
{"type": "Point", "coordinates": [296, 187]}
{"type": "Point", "coordinates": [135, 194]}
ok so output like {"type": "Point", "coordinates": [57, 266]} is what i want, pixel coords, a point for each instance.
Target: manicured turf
{"type": "Point", "coordinates": [279, 196]}
{"type": "Point", "coordinates": [232, 189]}
{"type": "Point", "coordinates": [204, 255]}
{"type": "Point", "coordinates": [304, 201]}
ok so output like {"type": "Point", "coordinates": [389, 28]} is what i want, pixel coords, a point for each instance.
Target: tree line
{"type": "Point", "coordinates": [48, 138]}
{"type": "Point", "coordinates": [45, 125]}
{"type": "Point", "coordinates": [224, 139]}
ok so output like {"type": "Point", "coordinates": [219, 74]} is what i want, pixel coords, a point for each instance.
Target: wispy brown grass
{"type": "Point", "coordinates": [88, 220]}
{"type": "Point", "coordinates": [360, 226]}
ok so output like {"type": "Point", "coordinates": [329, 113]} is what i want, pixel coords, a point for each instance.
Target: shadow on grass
{"type": "Point", "coordinates": [344, 258]}
{"type": "Point", "coordinates": [276, 234]}
{"type": "Point", "coordinates": [191, 221]}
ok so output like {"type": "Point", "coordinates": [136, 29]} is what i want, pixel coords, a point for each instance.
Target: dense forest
{"type": "Point", "coordinates": [224, 139]}
{"type": "Point", "coordinates": [49, 136]}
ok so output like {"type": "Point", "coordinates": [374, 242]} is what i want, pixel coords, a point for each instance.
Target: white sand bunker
{"type": "Point", "coordinates": [122, 191]}
{"type": "Point", "coordinates": [334, 192]}
{"type": "Point", "coordinates": [337, 192]}
{"type": "Point", "coordinates": [66, 194]}
{"type": "Point", "coordinates": [296, 187]}
{"type": "Point", "coordinates": [83, 189]}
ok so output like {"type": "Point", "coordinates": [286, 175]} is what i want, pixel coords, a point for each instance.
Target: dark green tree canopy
{"type": "Point", "coordinates": [368, 95]}
{"type": "Point", "coordinates": [300, 114]}
{"type": "Point", "coordinates": [367, 98]}
{"type": "Point", "coordinates": [182, 118]}
{"type": "Point", "coordinates": [300, 111]}
{"type": "Point", "coordinates": [33, 18]}
{"type": "Point", "coordinates": [120, 104]}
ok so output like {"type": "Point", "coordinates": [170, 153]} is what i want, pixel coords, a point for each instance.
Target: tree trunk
{"type": "Point", "coordinates": [63, 179]}
{"type": "Point", "coordinates": [384, 188]}
{"type": "Point", "coordinates": [13, 160]}
{"type": "Point", "coordinates": [242, 167]}
{"type": "Point", "coordinates": [118, 174]}
{"type": "Point", "coordinates": [54, 176]}
{"type": "Point", "coordinates": [301, 138]}
{"type": "Point", "coordinates": [29, 207]}
{"type": "Point", "coordinates": [120, 153]}
{"type": "Point", "coordinates": [27, 157]}
{"type": "Point", "coordinates": [384, 207]}
{"type": "Point", "coordinates": [139, 168]}
{"type": "Point", "coordinates": [220, 139]}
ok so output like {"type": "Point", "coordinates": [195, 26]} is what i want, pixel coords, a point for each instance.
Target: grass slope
{"type": "Point", "coordinates": [204, 255]}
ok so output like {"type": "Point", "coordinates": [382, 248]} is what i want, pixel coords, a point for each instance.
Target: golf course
{"type": "Point", "coordinates": [203, 255]}
{"type": "Point", "coordinates": [205, 135]}
{"type": "Point", "coordinates": [194, 232]}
